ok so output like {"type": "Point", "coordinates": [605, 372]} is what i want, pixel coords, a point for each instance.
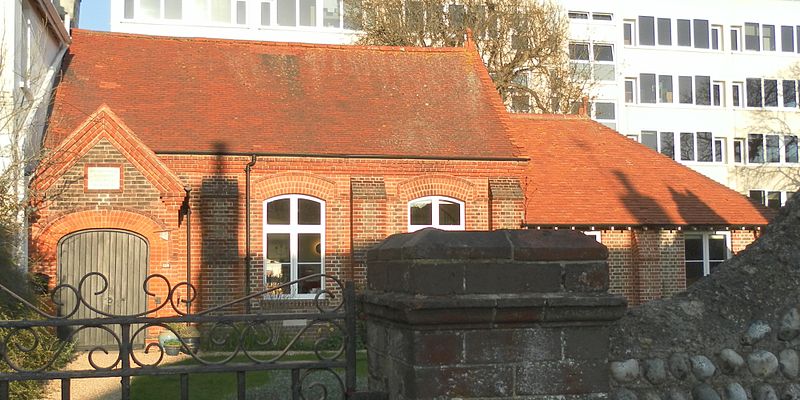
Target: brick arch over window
{"type": "Point", "coordinates": [475, 204]}
{"type": "Point", "coordinates": [45, 236]}
{"type": "Point", "coordinates": [293, 183]}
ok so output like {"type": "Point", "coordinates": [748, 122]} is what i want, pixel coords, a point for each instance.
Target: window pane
{"type": "Point", "coordinates": [734, 39]}
{"type": "Point", "coordinates": [604, 72]}
{"type": "Point", "coordinates": [311, 285]}
{"type": "Point", "coordinates": [770, 93]}
{"type": "Point", "coordinates": [687, 146]}
{"type": "Point", "coordinates": [703, 90]}
{"type": "Point", "coordinates": [603, 52]}
{"type": "Point", "coordinates": [172, 9]}
{"type": "Point", "coordinates": [421, 213]}
{"type": "Point", "coordinates": [241, 12]}
{"type": "Point", "coordinates": [628, 33]}
{"type": "Point", "coordinates": [647, 34]}
{"type": "Point", "coordinates": [331, 14]}
{"type": "Point", "coordinates": [787, 38]}
{"type": "Point", "coordinates": [287, 15]}
{"type": "Point", "coordinates": [774, 200]}
{"type": "Point", "coordinates": [773, 148]}
{"type": "Point", "coordinates": [604, 111]}
{"type": "Point", "coordinates": [601, 17]}
{"type": "Point", "coordinates": [308, 212]}
{"type": "Point", "coordinates": [694, 271]}
{"type": "Point", "coordinates": [685, 87]}
{"type": "Point", "coordinates": [665, 31]}
{"type": "Point", "coordinates": [716, 94]}
{"type": "Point", "coordinates": [629, 91]}
{"type": "Point", "coordinates": [736, 90]}
{"type": "Point", "coordinates": [578, 15]}
{"type": "Point", "coordinates": [668, 144]}
{"type": "Point", "coordinates": [150, 8]}
{"type": "Point", "coordinates": [701, 33]}
{"type": "Point", "coordinates": [751, 38]}
{"type": "Point", "coordinates": [128, 13]}
{"type": "Point", "coordinates": [308, 12]}
{"type": "Point", "coordinates": [648, 88]}
{"type": "Point", "coordinates": [704, 149]}
{"type": "Point", "coordinates": [790, 144]}
{"type": "Point", "coordinates": [754, 92]}
{"type": "Point", "coordinates": [693, 246]}
{"type": "Point", "coordinates": [768, 39]}
{"type": "Point", "coordinates": [717, 248]}
{"type": "Point", "coordinates": [456, 16]}
{"type": "Point", "coordinates": [449, 213]}
{"type": "Point", "coordinates": [278, 248]}
{"type": "Point", "coordinates": [309, 247]}
{"type": "Point", "coordinates": [579, 51]}
{"type": "Point", "coordinates": [757, 197]}
{"type": "Point", "coordinates": [718, 150]}
{"type": "Point", "coordinates": [684, 35]}
{"type": "Point", "coordinates": [221, 11]}
{"type": "Point", "coordinates": [737, 151]}
{"type": "Point", "coordinates": [789, 94]}
{"type": "Point", "coordinates": [665, 88]}
{"type": "Point", "coordinates": [650, 139]}
{"type": "Point", "coordinates": [265, 14]}
{"type": "Point", "coordinates": [755, 148]}
{"type": "Point", "coordinates": [278, 212]}
{"type": "Point", "coordinates": [715, 38]}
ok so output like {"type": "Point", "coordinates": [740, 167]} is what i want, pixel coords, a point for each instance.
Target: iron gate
{"type": "Point", "coordinates": [333, 307]}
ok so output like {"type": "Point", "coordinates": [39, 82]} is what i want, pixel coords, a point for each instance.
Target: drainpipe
{"type": "Point", "coordinates": [247, 258]}
{"type": "Point", "coordinates": [188, 213]}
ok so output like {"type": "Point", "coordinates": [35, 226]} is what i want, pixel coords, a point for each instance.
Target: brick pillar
{"type": "Point", "coordinates": [497, 315]}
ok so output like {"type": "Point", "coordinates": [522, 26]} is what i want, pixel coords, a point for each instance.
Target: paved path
{"type": "Point", "coordinates": [99, 388]}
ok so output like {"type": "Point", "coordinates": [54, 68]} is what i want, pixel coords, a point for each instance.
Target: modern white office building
{"type": "Point", "coordinates": [712, 84]}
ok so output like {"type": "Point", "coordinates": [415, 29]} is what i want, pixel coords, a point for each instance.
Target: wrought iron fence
{"type": "Point", "coordinates": [241, 338]}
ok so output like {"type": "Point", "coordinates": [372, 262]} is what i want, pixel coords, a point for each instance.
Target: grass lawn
{"type": "Point", "coordinates": [223, 385]}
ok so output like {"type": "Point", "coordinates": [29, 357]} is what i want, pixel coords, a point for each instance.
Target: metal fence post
{"type": "Point", "coordinates": [350, 323]}
{"type": "Point", "coordinates": [4, 390]}
{"type": "Point", "coordinates": [125, 355]}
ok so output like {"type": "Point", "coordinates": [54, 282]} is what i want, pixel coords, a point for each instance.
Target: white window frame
{"type": "Point", "coordinates": [596, 235]}
{"type": "Point", "coordinates": [634, 98]}
{"type": "Point", "coordinates": [721, 98]}
{"type": "Point", "coordinates": [743, 146]}
{"type": "Point", "coordinates": [784, 196]}
{"type": "Point", "coordinates": [611, 123]}
{"type": "Point", "coordinates": [716, 31]}
{"type": "Point", "coordinates": [435, 200]}
{"type": "Point", "coordinates": [632, 23]}
{"type": "Point", "coordinates": [706, 261]}
{"type": "Point", "coordinates": [736, 31]}
{"type": "Point", "coordinates": [738, 87]}
{"type": "Point", "coordinates": [293, 229]}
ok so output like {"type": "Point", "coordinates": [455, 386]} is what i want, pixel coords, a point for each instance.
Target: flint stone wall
{"type": "Point", "coordinates": [734, 335]}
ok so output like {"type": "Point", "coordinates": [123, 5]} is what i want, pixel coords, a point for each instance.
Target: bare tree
{"type": "Point", "coordinates": [522, 42]}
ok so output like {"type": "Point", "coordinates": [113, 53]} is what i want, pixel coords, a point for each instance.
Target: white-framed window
{"type": "Point", "coordinates": [596, 235]}
{"type": "Point", "coordinates": [768, 37]}
{"type": "Point", "coordinates": [699, 146]}
{"type": "Point", "coordinates": [736, 94]}
{"type": "Point", "coordinates": [736, 38]}
{"type": "Point", "coordinates": [594, 60]}
{"type": "Point", "coordinates": [605, 112]}
{"type": "Point", "coordinates": [716, 37]}
{"type": "Point", "coordinates": [630, 90]}
{"type": "Point", "coordinates": [738, 151]}
{"type": "Point", "coordinates": [752, 37]}
{"type": "Point", "coordinates": [153, 9]}
{"type": "Point", "coordinates": [602, 16]}
{"type": "Point", "coordinates": [772, 148]}
{"type": "Point", "coordinates": [436, 212]}
{"type": "Point", "coordinates": [717, 93]}
{"type": "Point", "coordinates": [578, 15]}
{"type": "Point", "coordinates": [769, 198]}
{"type": "Point", "coordinates": [629, 32]}
{"type": "Point", "coordinates": [703, 252]}
{"type": "Point", "coordinates": [787, 39]}
{"type": "Point", "coordinates": [662, 142]}
{"type": "Point", "coordinates": [762, 92]}
{"type": "Point", "coordinates": [294, 243]}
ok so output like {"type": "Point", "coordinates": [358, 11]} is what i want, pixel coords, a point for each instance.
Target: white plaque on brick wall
{"type": "Point", "coordinates": [103, 178]}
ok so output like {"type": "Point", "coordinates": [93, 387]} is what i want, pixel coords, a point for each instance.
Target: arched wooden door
{"type": "Point", "coordinates": [122, 257]}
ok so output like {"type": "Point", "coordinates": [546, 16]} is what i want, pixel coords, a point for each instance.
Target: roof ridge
{"type": "Point", "coordinates": [266, 43]}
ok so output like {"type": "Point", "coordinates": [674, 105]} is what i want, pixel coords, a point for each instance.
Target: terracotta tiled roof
{"type": "Point", "coordinates": [211, 95]}
{"type": "Point", "coordinates": [582, 173]}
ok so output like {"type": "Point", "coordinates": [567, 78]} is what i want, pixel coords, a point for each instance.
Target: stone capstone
{"type": "Point", "coordinates": [704, 391]}
{"type": "Point", "coordinates": [625, 371]}
{"type": "Point", "coordinates": [624, 394]}
{"type": "Point", "coordinates": [702, 367]}
{"type": "Point", "coordinates": [764, 392]}
{"type": "Point", "coordinates": [730, 361]}
{"type": "Point", "coordinates": [735, 391]}
{"type": "Point", "coordinates": [679, 365]}
{"type": "Point", "coordinates": [789, 363]}
{"type": "Point", "coordinates": [792, 392]}
{"type": "Point", "coordinates": [790, 325]}
{"type": "Point", "coordinates": [762, 363]}
{"type": "Point", "coordinates": [755, 333]}
{"type": "Point", "coordinates": [655, 371]}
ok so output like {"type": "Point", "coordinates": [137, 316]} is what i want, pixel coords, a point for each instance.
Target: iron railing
{"type": "Point", "coordinates": [244, 338]}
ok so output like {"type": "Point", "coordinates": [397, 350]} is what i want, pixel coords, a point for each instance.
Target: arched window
{"type": "Point", "coordinates": [294, 243]}
{"type": "Point", "coordinates": [436, 212]}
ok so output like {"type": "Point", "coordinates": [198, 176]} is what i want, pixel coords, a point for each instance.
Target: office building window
{"type": "Point", "coordinates": [736, 94]}
{"type": "Point", "coordinates": [770, 93]}
{"type": "Point", "coordinates": [685, 90]}
{"type": "Point", "coordinates": [647, 35]}
{"type": "Point", "coordinates": [684, 32]}
{"type": "Point", "coordinates": [665, 31]}
{"type": "Point", "coordinates": [650, 139]}
{"type": "Point", "coordinates": [719, 150]}
{"type": "Point", "coordinates": [665, 88]}
{"type": "Point", "coordinates": [738, 150]}
{"type": "Point", "coordinates": [751, 37]}
{"type": "Point", "coordinates": [715, 37]}
{"type": "Point", "coordinates": [602, 16]}
{"type": "Point", "coordinates": [717, 93]}
{"type": "Point", "coordinates": [648, 88]}
{"type": "Point", "coordinates": [768, 37]}
{"type": "Point", "coordinates": [787, 38]}
{"type": "Point", "coordinates": [628, 32]}
{"type": "Point", "coordinates": [266, 13]}
{"type": "Point", "coordinates": [755, 148]}
{"type": "Point", "coordinates": [789, 93]}
{"type": "Point", "coordinates": [701, 38]}
{"type": "Point", "coordinates": [687, 146]}
{"type": "Point", "coordinates": [578, 15]}
{"type": "Point", "coordinates": [769, 198]}
{"type": "Point", "coordinates": [702, 90]}
{"type": "Point", "coordinates": [630, 90]}
{"type": "Point", "coordinates": [754, 93]}
{"type": "Point", "coordinates": [790, 149]}
{"type": "Point", "coordinates": [736, 38]}
{"type": "Point", "coordinates": [662, 142]}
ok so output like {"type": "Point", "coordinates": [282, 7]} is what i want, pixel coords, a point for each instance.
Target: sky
{"type": "Point", "coordinates": [94, 15]}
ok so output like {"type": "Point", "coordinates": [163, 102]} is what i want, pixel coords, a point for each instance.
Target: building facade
{"type": "Point", "coordinates": [712, 84]}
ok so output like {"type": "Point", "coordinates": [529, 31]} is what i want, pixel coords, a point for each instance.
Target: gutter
{"type": "Point", "coordinates": [363, 156]}
{"type": "Point", "coordinates": [53, 20]}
